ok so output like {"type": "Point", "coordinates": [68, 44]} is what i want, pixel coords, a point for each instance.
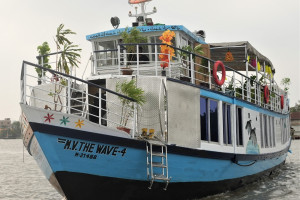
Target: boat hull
{"type": "Point", "coordinates": [87, 165]}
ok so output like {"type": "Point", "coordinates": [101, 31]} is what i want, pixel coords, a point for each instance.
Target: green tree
{"type": "Point", "coordinates": [15, 130]}
{"type": "Point", "coordinates": [296, 108]}
{"type": "Point", "coordinates": [132, 37]}
{"type": "Point", "coordinates": [69, 56]}
{"type": "Point", "coordinates": [286, 83]}
{"type": "Point", "coordinates": [43, 50]}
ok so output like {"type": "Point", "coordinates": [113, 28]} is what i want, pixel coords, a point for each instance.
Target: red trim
{"type": "Point", "coordinates": [216, 65]}
{"type": "Point", "coordinates": [267, 94]}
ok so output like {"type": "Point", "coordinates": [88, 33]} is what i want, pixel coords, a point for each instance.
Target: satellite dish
{"type": "Point", "coordinates": [115, 21]}
{"type": "Point", "coordinates": [137, 1]}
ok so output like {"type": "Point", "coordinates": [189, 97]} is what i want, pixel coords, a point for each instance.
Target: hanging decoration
{"type": "Point", "coordinates": [269, 71]}
{"type": "Point", "coordinates": [166, 51]}
{"type": "Point", "coordinates": [248, 58]}
{"type": "Point", "coordinates": [258, 66]}
{"type": "Point", "coordinates": [229, 56]}
{"type": "Point", "coordinates": [253, 62]}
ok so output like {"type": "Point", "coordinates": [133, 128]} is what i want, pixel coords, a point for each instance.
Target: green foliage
{"type": "Point", "coordinates": [43, 50]}
{"type": "Point", "coordinates": [197, 50]}
{"type": "Point", "coordinates": [13, 132]}
{"type": "Point", "coordinates": [132, 37]}
{"type": "Point", "coordinates": [296, 108]}
{"type": "Point", "coordinates": [129, 89]}
{"type": "Point", "coordinates": [69, 56]}
{"type": "Point", "coordinates": [286, 83]}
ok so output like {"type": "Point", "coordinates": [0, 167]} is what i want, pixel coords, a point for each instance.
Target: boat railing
{"type": "Point", "coordinates": [189, 67]}
{"type": "Point", "coordinates": [64, 93]}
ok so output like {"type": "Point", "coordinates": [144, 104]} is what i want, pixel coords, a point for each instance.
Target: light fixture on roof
{"type": "Point", "coordinates": [115, 21]}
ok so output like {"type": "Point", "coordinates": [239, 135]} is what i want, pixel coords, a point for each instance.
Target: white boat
{"type": "Point", "coordinates": [210, 123]}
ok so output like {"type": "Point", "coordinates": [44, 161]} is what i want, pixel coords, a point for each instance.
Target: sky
{"type": "Point", "coordinates": [271, 26]}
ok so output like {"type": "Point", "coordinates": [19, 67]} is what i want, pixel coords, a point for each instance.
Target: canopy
{"type": "Point", "coordinates": [137, 1]}
{"type": "Point", "coordinates": [239, 51]}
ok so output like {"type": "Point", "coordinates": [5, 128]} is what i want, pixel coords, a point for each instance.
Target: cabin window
{"type": "Point", "coordinates": [262, 144]}
{"type": "Point", "coordinates": [203, 118]}
{"type": "Point", "coordinates": [266, 131]}
{"type": "Point", "coordinates": [239, 127]}
{"type": "Point", "coordinates": [106, 57]}
{"type": "Point", "coordinates": [226, 124]}
{"type": "Point", "coordinates": [214, 130]}
{"type": "Point", "coordinates": [270, 132]}
{"type": "Point", "coordinates": [273, 131]}
{"type": "Point", "coordinates": [209, 119]}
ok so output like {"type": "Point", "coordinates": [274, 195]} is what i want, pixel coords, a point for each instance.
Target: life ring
{"type": "Point", "coordinates": [216, 65]}
{"type": "Point", "coordinates": [267, 94]}
{"type": "Point", "coordinates": [281, 101]}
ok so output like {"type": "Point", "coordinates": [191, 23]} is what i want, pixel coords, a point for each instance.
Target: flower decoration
{"type": "Point", "coordinates": [166, 50]}
{"type": "Point", "coordinates": [229, 56]}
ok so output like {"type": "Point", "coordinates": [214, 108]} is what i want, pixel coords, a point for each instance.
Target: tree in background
{"type": "Point", "coordinates": [286, 83]}
{"type": "Point", "coordinates": [296, 108]}
{"type": "Point", "coordinates": [13, 132]}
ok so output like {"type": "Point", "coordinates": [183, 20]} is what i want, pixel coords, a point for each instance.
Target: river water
{"type": "Point", "coordinates": [24, 180]}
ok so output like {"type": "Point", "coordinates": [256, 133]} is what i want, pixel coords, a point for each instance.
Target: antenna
{"type": "Point", "coordinates": [141, 19]}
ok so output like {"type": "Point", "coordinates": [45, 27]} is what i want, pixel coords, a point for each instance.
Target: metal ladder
{"type": "Point", "coordinates": [157, 160]}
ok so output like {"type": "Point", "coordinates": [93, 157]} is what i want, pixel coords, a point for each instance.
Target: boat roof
{"type": "Point", "coordinates": [239, 51]}
{"type": "Point", "coordinates": [146, 29]}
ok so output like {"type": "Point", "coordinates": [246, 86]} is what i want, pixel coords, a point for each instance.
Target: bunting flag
{"type": "Point", "coordinates": [258, 66]}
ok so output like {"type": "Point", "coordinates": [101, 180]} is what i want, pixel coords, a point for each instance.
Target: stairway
{"type": "Point", "coordinates": [157, 162]}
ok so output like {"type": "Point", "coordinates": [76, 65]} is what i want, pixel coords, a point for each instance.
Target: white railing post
{"type": "Point", "coordinates": [95, 63]}
{"type": "Point", "coordinates": [134, 119]}
{"type": "Point", "coordinates": [242, 87]}
{"type": "Point", "coordinates": [155, 54]}
{"type": "Point", "coordinates": [24, 83]}
{"type": "Point", "coordinates": [209, 75]}
{"type": "Point", "coordinates": [192, 69]}
{"type": "Point", "coordinates": [234, 86]}
{"type": "Point", "coordinates": [69, 96]}
{"type": "Point", "coordinates": [100, 106]}
{"type": "Point", "coordinates": [42, 62]}
{"type": "Point", "coordinates": [137, 60]}
{"type": "Point", "coordinates": [119, 59]}
{"type": "Point", "coordinates": [169, 56]}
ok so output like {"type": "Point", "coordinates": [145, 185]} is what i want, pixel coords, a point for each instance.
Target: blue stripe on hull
{"type": "Point", "coordinates": [106, 160]}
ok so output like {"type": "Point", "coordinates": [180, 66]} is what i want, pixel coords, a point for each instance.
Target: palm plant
{"type": "Point", "coordinates": [69, 56]}
{"type": "Point", "coordinates": [129, 89]}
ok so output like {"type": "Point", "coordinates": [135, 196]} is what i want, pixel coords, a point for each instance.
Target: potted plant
{"type": "Point", "coordinates": [129, 89]}
{"type": "Point", "coordinates": [43, 50]}
{"type": "Point", "coordinates": [185, 59]}
{"type": "Point", "coordinates": [131, 37]}
{"type": "Point", "coordinates": [166, 50]}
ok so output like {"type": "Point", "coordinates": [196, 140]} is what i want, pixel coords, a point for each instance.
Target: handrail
{"type": "Point", "coordinates": [75, 78]}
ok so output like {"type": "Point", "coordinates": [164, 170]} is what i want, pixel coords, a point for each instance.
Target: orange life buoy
{"type": "Point", "coordinates": [216, 65]}
{"type": "Point", "coordinates": [267, 94]}
{"type": "Point", "coordinates": [281, 101]}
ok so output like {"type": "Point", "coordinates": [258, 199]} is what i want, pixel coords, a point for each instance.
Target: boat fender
{"type": "Point", "coordinates": [281, 101]}
{"type": "Point", "coordinates": [216, 65]}
{"type": "Point", "coordinates": [267, 94]}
